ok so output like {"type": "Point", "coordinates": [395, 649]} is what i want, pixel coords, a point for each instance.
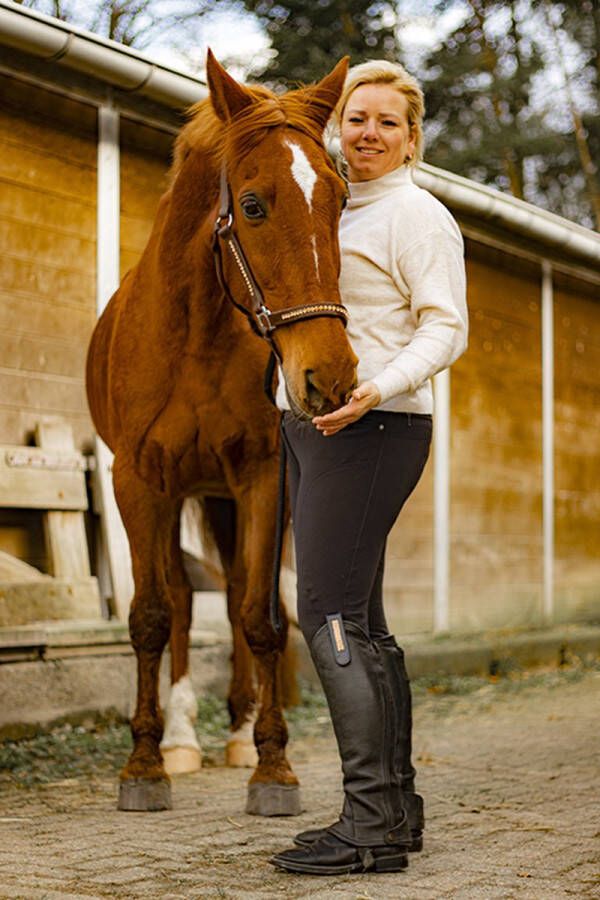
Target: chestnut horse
{"type": "Point", "coordinates": [174, 381]}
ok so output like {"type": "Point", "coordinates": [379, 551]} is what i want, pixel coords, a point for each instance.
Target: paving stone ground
{"type": "Point", "coordinates": [513, 802]}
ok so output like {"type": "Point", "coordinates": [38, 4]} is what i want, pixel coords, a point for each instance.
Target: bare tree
{"type": "Point", "coordinates": [135, 23]}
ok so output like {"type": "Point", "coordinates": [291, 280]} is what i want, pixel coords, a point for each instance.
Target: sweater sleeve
{"type": "Point", "coordinates": [433, 269]}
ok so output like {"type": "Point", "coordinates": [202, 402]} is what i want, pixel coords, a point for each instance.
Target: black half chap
{"type": "Point", "coordinates": [346, 491]}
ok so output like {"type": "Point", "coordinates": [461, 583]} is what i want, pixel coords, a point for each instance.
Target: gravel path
{"type": "Point", "coordinates": [510, 777]}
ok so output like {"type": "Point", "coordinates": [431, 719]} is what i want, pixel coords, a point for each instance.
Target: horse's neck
{"type": "Point", "coordinates": [183, 258]}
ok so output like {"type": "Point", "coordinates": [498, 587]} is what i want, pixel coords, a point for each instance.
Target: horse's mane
{"type": "Point", "coordinates": [207, 133]}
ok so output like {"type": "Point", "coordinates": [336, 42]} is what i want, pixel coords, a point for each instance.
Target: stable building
{"type": "Point", "coordinates": [504, 528]}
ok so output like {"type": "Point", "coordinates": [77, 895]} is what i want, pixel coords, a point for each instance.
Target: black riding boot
{"type": "Point", "coordinates": [393, 661]}
{"type": "Point", "coordinates": [372, 833]}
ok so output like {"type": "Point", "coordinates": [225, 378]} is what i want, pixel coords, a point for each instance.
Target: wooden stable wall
{"type": "Point", "coordinates": [145, 159]}
{"type": "Point", "coordinates": [48, 146]}
{"type": "Point", "coordinates": [496, 528]}
{"type": "Point", "coordinates": [48, 241]}
{"type": "Point", "coordinates": [48, 152]}
{"type": "Point", "coordinates": [496, 451]}
{"type": "Point", "coordinates": [47, 293]}
{"type": "Point", "coordinates": [495, 466]}
{"type": "Point", "coordinates": [577, 449]}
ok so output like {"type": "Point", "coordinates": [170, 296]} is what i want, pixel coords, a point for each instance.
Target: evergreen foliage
{"type": "Point", "coordinates": [512, 93]}
{"type": "Point", "coordinates": [491, 112]}
{"type": "Point", "coordinates": [478, 87]}
{"type": "Point", "coordinates": [309, 37]}
{"type": "Point", "coordinates": [569, 182]}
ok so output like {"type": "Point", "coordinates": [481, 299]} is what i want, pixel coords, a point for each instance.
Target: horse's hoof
{"type": "Point", "coordinates": [273, 799]}
{"type": "Point", "coordinates": [144, 795]}
{"type": "Point", "coordinates": [241, 754]}
{"type": "Point", "coordinates": [181, 760]}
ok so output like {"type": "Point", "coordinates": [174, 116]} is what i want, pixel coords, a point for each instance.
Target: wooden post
{"type": "Point", "coordinates": [441, 503]}
{"type": "Point", "coordinates": [548, 440]}
{"type": "Point", "coordinates": [114, 536]}
{"type": "Point", "coordinates": [66, 539]}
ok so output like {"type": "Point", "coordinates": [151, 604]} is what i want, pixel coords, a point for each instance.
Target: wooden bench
{"type": "Point", "coordinates": [49, 477]}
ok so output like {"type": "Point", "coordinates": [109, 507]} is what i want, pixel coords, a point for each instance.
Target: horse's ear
{"type": "Point", "coordinates": [227, 96]}
{"type": "Point", "coordinates": [322, 97]}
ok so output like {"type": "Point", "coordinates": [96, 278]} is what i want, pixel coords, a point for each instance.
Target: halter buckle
{"type": "Point", "coordinates": [263, 317]}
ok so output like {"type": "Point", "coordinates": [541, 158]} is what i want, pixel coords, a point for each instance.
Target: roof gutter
{"type": "Point", "coordinates": [59, 42]}
{"type": "Point", "coordinates": [510, 213]}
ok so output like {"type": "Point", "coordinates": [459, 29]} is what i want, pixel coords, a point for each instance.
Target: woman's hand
{"type": "Point", "coordinates": [364, 398]}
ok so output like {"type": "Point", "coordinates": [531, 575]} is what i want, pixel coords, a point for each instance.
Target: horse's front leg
{"type": "Point", "coordinates": [273, 788]}
{"type": "Point", "coordinates": [240, 749]}
{"type": "Point", "coordinates": [179, 746]}
{"type": "Point", "coordinates": [224, 523]}
{"type": "Point", "coordinates": [147, 519]}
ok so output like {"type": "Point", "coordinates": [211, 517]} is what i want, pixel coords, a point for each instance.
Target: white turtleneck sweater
{"type": "Point", "coordinates": [403, 283]}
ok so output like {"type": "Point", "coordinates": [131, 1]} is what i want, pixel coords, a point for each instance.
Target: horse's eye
{"type": "Point", "coordinates": [252, 208]}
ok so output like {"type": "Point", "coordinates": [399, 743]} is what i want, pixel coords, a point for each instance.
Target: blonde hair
{"type": "Point", "coordinates": [381, 71]}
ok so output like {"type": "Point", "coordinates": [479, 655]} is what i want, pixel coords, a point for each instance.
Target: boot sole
{"type": "Point", "coordinates": [415, 847]}
{"type": "Point", "coordinates": [381, 864]}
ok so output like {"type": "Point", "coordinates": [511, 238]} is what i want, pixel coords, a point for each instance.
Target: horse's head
{"type": "Point", "coordinates": [286, 199]}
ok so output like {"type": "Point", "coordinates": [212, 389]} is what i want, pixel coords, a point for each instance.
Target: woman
{"type": "Point", "coordinates": [351, 471]}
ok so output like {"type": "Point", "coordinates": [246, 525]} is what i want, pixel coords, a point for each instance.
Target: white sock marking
{"type": "Point", "coordinates": [245, 733]}
{"type": "Point", "coordinates": [180, 714]}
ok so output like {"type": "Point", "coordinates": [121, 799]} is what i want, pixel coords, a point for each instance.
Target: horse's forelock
{"type": "Point", "coordinates": [248, 128]}
{"type": "Point", "coordinates": [207, 133]}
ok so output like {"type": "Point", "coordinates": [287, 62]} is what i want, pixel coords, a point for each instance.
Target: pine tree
{"type": "Point", "coordinates": [477, 87]}
{"type": "Point", "coordinates": [573, 181]}
{"type": "Point", "coordinates": [487, 118]}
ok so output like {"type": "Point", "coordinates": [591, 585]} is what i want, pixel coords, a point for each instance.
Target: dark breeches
{"type": "Point", "coordinates": [346, 491]}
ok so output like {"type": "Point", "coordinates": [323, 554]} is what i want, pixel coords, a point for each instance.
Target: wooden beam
{"type": "Point", "coordinates": [33, 478]}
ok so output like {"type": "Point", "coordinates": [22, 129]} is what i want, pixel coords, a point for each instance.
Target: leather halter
{"type": "Point", "coordinates": [262, 320]}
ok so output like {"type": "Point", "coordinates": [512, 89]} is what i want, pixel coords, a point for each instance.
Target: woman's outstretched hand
{"type": "Point", "coordinates": [364, 398]}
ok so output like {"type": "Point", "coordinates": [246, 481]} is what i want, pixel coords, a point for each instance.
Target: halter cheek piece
{"type": "Point", "coordinates": [262, 320]}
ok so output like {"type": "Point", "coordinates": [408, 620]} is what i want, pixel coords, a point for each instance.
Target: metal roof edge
{"type": "Point", "coordinates": [55, 41]}
{"type": "Point", "coordinates": [131, 71]}
{"type": "Point", "coordinates": [519, 216]}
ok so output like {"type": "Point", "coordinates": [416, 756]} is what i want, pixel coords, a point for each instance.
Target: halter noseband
{"type": "Point", "coordinates": [262, 320]}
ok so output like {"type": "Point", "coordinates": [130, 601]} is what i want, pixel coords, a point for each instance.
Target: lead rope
{"type": "Point", "coordinates": [274, 605]}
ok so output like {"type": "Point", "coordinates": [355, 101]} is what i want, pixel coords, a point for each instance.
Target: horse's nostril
{"type": "Point", "coordinates": [313, 394]}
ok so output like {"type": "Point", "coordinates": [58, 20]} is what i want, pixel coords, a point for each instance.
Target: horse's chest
{"type": "Point", "coordinates": [177, 456]}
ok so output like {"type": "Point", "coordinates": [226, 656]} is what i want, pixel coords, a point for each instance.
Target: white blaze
{"type": "Point", "coordinates": [304, 174]}
{"type": "Point", "coordinates": [313, 241]}
{"type": "Point", "coordinates": [305, 177]}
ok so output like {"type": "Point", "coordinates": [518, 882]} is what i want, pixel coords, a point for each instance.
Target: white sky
{"type": "Point", "coordinates": [237, 39]}
{"type": "Point", "coordinates": [234, 38]}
